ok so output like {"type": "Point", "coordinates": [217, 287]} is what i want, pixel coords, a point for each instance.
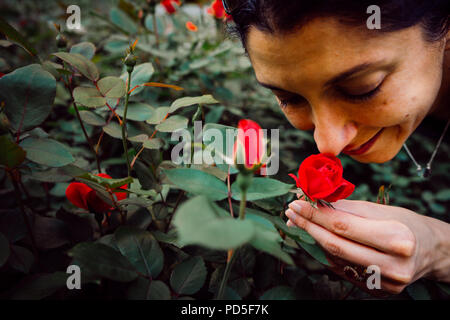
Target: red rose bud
{"type": "Point", "coordinates": [320, 178]}
{"type": "Point", "coordinates": [249, 152]}
{"type": "Point", "coordinates": [169, 5]}
{"type": "Point", "coordinates": [191, 26]}
{"type": "Point", "coordinates": [84, 197]}
{"type": "Point", "coordinates": [217, 10]}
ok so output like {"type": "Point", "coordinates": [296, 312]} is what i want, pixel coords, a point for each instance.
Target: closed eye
{"type": "Point", "coordinates": [360, 97]}
{"type": "Point", "coordinates": [294, 100]}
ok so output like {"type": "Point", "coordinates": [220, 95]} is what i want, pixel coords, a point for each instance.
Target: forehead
{"type": "Point", "coordinates": [316, 52]}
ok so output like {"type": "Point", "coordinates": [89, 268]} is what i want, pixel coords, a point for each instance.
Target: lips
{"type": "Point", "coordinates": [364, 147]}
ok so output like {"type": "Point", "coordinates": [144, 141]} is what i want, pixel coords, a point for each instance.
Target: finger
{"type": "Point", "coordinates": [384, 285]}
{"type": "Point", "coordinates": [389, 236]}
{"type": "Point", "coordinates": [289, 223]}
{"type": "Point", "coordinates": [368, 209]}
{"type": "Point", "coordinates": [352, 251]}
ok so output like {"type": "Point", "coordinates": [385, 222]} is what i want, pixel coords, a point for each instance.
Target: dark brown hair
{"type": "Point", "coordinates": [284, 16]}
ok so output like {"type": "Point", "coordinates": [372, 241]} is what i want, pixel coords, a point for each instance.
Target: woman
{"type": "Point", "coordinates": [363, 92]}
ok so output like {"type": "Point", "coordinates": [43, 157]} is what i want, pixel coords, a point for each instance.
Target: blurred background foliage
{"type": "Point", "coordinates": [202, 62]}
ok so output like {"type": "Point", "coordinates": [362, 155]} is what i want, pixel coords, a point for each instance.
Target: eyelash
{"type": "Point", "coordinates": [285, 102]}
{"type": "Point", "coordinates": [354, 98]}
{"type": "Point", "coordinates": [362, 97]}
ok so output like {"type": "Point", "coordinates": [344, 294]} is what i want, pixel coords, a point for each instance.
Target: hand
{"type": "Point", "coordinates": [403, 244]}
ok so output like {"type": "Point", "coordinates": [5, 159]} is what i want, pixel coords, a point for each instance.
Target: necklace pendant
{"type": "Point", "coordinates": [427, 172]}
{"type": "Point", "coordinates": [420, 171]}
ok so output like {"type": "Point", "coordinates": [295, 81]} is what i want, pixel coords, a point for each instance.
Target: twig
{"type": "Point", "coordinates": [226, 275]}
{"type": "Point", "coordinates": [229, 192]}
{"type": "Point", "coordinates": [124, 125]}
{"type": "Point", "coordinates": [24, 214]}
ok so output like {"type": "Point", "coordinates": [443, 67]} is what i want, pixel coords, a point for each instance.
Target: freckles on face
{"type": "Point", "coordinates": [330, 77]}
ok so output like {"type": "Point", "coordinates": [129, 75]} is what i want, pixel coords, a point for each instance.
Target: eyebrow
{"type": "Point", "coordinates": [341, 76]}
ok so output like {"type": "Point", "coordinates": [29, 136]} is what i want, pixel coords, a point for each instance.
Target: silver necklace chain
{"type": "Point", "coordinates": [425, 173]}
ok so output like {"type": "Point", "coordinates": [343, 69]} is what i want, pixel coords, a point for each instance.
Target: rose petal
{"type": "Point", "coordinates": [96, 204]}
{"type": "Point", "coordinates": [77, 193]}
{"type": "Point", "coordinates": [342, 192]}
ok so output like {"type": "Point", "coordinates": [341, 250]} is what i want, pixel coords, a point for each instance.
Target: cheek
{"type": "Point", "coordinates": [393, 107]}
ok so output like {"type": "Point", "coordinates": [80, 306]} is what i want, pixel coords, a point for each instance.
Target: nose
{"type": "Point", "coordinates": [333, 129]}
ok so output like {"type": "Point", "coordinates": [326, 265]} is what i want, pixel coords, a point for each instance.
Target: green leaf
{"type": "Point", "coordinates": [52, 68]}
{"type": "Point", "coordinates": [279, 293]}
{"type": "Point", "coordinates": [92, 118]}
{"type": "Point", "coordinates": [149, 22]}
{"type": "Point", "coordinates": [12, 154]}
{"type": "Point", "coordinates": [189, 101]}
{"type": "Point", "coordinates": [88, 97]}
{"type": "Point", "coordinates": [14, 36]}
{"type": "Point", "coordinates": [28, 94]}
{"type": "Point", "coordinates": [50, 233]}
{"type": "Point", "coordinates": [141, 249]}
{"type": "Point", "coordinates": [315, 251]}
{"type": "Point", "coordinates": [104, 261]}
{"type": "Point", "coordinates": [443, 195]}
{"type": "Point", "coordinates": [20, 259]}
{"type": "Point", "coordinates": [155, 143]}
{"type": "Point", "coordinates": [261, 221]}
{"type": "Point", "coordinates": [215, 114]}
{"type": "Point", "coordinates": [418, 291]}
{"type": "Point", "coordinates": [437, 208]}
{"type": "Point", "coordinates": [189, 276]}
{"type": "Point", "coordinates": [40, 286]}
{"type": "Point", "coordinates": [261, 188]}
{"type": "Point", "coordinates": [444, 287]}
{"type": "Point", "coordinates": [269, 241]}
{"type": "Point", "coordinates": [293, 232]}
{"type": "Point", "coordinates": [120, 19]}
{"type": "Point", "coordinates": [145, 289]}
{"type": "Point", "coordinates": [198, 182]}
{"type": "Point", "coordinates": [137, 111]}
{"type": "Point", "coordinates": [172, 124]}
{"type": "Point", "coordinates": [110, 183]}
{"type": "Point", "coordinates": [158, 115]}
{"type": "Point", "coordinates": [114, 130]}
{"type": "Point", "coordinates": [139, 138]}
{"type": "Point", "coordinates": [47, 152]}
{"type": "Point", "coordinates": [231, 294]}
{"type": "Point", "coordinates": [112, 87]}
{"type": "Point", "coordinates": [12, 225]}
{"type": "Point", "coordinates": [140, 75]}
{"type": "Point", "coordinates": [86, 49]}
{"type": "Point", "coordinates": [208, 228]}
{"type": "Point", "coordinates": [4, 249]}
{"type": "Point", "coordinates": [85, 66]}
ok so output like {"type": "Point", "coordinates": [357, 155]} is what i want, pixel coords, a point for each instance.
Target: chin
{"type": "Point", "coordinates": [377, 156]}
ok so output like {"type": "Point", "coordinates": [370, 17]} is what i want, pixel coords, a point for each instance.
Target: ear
{"type": "Point", "coordinates": [447, 41]}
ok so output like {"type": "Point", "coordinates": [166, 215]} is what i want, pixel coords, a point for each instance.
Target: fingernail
{"type": "Point", "coordinates": [290, 214]}
{"type": "Point", "coordinates": [296, 207]}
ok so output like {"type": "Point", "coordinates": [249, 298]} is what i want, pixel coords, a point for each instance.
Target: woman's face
{"type": "Point", "coordinates": [362, 92]}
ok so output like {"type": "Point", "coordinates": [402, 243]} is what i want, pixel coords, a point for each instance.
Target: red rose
{"type": "Point", "coordinates": [249, 148]}
{"type": "Point", "coordinates": [320, 178]}
{"type": "Point", "coordinates": [217, 10]}
{"type": "Point", "coordinates": [84, 197]}
{"type": "Point", "coordinates": [168, 5]}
